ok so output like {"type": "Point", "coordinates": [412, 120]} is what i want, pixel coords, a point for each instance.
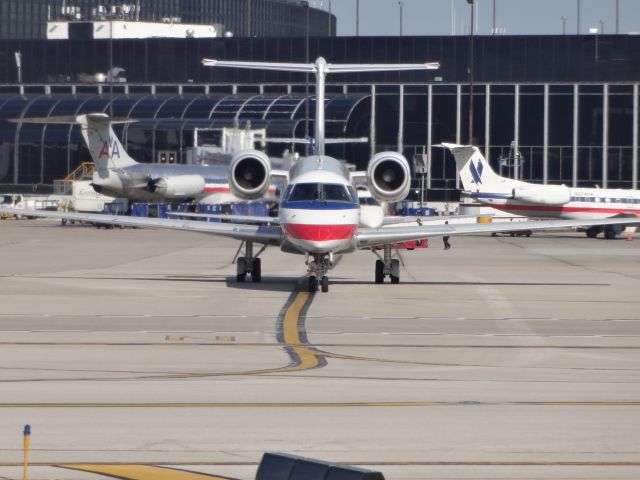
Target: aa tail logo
{"type": "Point", "coordinates": [476, 173]}
{"type": "Point", "coordinates": [104, 152]}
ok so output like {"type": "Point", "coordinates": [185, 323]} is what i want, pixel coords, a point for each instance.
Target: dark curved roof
{"type": "Point", "coordinates": [280, 115]}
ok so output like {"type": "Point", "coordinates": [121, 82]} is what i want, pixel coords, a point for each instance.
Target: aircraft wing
{"type": "Point", "coordinates": [418, 219]}
{"type": "Point", "coordinates": [269, 235]}
{"type": "Point", "coordinates": [261, 219]}
{"type": "Point", "coordinates": [369, 237]}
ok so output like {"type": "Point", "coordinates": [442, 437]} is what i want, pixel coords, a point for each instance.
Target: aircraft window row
{"type": "Point", "coordinates": [328, 192]}
{"type": "Point", "coordinates": [606, 200]}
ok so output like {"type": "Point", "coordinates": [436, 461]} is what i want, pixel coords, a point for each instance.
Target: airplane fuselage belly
{"type": "Point", "coordinates": [320, 230]}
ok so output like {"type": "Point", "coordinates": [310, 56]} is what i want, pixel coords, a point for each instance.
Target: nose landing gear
{"type": "Point", "coordinates": [318, 266]}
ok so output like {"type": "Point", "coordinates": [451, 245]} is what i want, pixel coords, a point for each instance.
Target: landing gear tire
{"type": "Point", "coordinates": [379, 271]}
{"type": "Point", "coordinates": [592, 232]}
{"type": "Point", "coordinates": [241, 269]}
{"type": "Point", "coordinates": [256, 272]}
{"type": "Point", "coordinates": [395, 271]}
{"type": "Point", "coordinates": [610, 234]}
{"type": "Point", "coordinates": [313, 284]}
{"type": "Point", "coordinates": [325, 284]}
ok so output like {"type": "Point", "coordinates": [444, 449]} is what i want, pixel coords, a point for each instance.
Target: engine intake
{"type": "Point", "coordinates": [178, 186]}
{"type": "Point", "coordinates": [249, 174]}
{"type": "Point", "coordinates": [388, 176]}
{"type": "Point", "coordinates": [543, 194]}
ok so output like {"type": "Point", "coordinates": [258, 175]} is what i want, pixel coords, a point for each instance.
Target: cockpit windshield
{"type": "Point", "coordinates": [369, 201]}
{"type": "Point", "coordinates": [326, 192]}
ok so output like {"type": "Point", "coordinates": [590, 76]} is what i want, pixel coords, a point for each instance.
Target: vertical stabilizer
{"type": "Point", "coordinates": [106, 150]}
{"type": "Point", "coordinates": [475, 172]}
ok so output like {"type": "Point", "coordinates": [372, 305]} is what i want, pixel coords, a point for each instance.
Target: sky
{"type": "Point", "coordinates": [513, 17]}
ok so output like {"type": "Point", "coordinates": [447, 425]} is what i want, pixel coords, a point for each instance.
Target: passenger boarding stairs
{"type": "Point", "coordinates": [83, 172]}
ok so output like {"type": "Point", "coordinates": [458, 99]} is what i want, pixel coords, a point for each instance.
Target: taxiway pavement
{"type": "Point", "coordinates": [499, 358]}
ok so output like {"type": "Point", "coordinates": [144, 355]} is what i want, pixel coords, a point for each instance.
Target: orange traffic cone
{"type": "Point", "coordinates": [629, 236]}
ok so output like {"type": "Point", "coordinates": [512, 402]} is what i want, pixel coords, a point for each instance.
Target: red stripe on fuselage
{"type": "Point", "coordinates": [560, 209]}
{"type": "Point", "coordinates": [319, 233]}
{"type": "Point", "coordinates": [214, 189]}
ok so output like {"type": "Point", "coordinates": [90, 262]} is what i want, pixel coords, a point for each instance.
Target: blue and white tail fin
{"type": "Point", "coordinates": [106, 150]}
{"type": "Point", "coordinates": [475, 172]}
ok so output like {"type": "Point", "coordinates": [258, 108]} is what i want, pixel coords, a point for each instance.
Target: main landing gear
{"type": "Point", "coordinates": [319, 265]}
{"type": "Point", "coordinates": [249, 264]}
{"type": "Point", "coordinates": [610, 233]}
{"type": "Point", "coordinates": [387, 266]}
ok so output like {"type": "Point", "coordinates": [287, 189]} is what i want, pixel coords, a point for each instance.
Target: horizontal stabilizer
{"type": "Point", "coordinates": [329, 67]}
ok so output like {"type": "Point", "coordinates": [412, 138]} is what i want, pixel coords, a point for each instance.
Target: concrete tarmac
{"type": "Point", "coordinates": [129, 350]}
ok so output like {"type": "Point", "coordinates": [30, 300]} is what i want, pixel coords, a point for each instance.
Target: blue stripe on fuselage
{"type": "Point", "coordinates": [320, 205]}
{"type": "Point", "coordinates": [505, 196]}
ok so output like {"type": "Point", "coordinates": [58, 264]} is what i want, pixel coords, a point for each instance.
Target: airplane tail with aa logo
{"type": "Point", "coordinates": [475, 172]}
{"type": "Point", "coordinates": [106, 149]}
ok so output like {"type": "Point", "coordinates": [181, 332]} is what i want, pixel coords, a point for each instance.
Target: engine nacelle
{"type": "Point", "coordinates": [109, 182]}
{"type": "Point", "coordinates": [542, 194]}
{"type": "Point", "coordinates": [389, 177]}
{"type": "Point", "coordinates": [250, 174]}
{"type": "Point", "coordinates": [177, 186]}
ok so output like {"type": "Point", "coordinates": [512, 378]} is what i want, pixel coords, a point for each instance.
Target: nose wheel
{"type": "Point", "coordinates": [322, 284]}
{"type": "Point", "coordinates": [318, 267]}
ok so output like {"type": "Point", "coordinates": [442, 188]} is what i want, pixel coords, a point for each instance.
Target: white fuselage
{"type": "Point", "coordinates": [319, 211]}
{"type": "Point", "coordinates": [584, 203]}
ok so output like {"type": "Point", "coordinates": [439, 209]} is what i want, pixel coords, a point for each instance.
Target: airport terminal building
{"type": "Point", "coordinates": [553, 109]}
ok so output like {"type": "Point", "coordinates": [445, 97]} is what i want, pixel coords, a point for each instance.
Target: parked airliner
{"type": "Point", "coordinates": [533, 200]}
{"type": "Point", "coordinates": [117, 174]}
{"type": "Point", "coordinates": [319, 214]}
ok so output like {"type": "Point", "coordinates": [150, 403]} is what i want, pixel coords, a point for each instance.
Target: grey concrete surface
{"type": "Point", "coordinates": [500, 358]}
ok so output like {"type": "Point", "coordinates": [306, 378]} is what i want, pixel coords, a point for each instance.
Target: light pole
{"type": "Point", "coordinates": [578, 16]}
{"type": "Point", "coordinates": [18, 57]}
{"type": "Point", "coordinates": [330, 29]}
{"type": "Point", "coordinates": [401, 4]}
{"type": "Point", "coordinates": [617, 16]}
{"type": "Point", "coordinates": [601, 22]}
{"type": "Point", "coordinates": [493, 28]}
{"type": "Point", "coordinates": [564, 25]}
{"type": "Point", "coordinates": [248, 26]}
{"type": "Point", "coordinates": [472, 5]}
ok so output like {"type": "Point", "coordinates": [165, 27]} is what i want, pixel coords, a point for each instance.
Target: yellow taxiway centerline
{"type": "Point", "coordinates": [142, 472]}
{"type": "Point", "coordinates": [308, 357]}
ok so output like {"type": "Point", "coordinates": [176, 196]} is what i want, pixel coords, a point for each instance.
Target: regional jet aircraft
{"type": "Point", "coordinates": [119, 175]}
{"type": "Point", "coordinates": [319, 214]}
{"type": "Point", "coordinates": [552, 201]}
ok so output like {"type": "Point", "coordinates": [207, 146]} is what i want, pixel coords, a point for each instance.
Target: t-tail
{"type": "Point", "coordinates": [475, 172]}
{"type": "Point", "coordinates": [321, 68]}
{"type": "Point", "coordinates": [106, 149]}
